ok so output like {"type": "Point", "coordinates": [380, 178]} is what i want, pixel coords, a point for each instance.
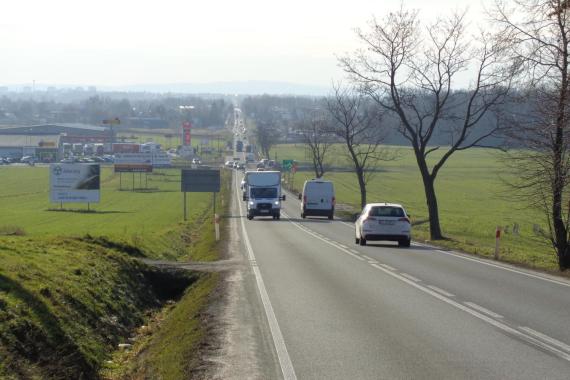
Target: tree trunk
{"type": "Point", "coordinates": [362, 185]}
{"type": "Point", "coordinates": [560, 231]}
{"type": "Point", "coordinates": [433, 210]}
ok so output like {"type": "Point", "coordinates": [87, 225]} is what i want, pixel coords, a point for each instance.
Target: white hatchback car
{"type": "Point", "coordinates": [383, 221]}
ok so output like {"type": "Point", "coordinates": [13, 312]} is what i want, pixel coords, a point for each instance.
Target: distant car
{"type": "Point", "coordinates": [260, 165]}
{"type": "Point", "coordinates": [235, 165]}
{"type": "Point", "coordinates": [196, 161]}
{"type": "Point", "coordinates": [28, 159]}
{"type": "Point", "coordinates": [229, 164]}
{"type": "Point", "coordinates": [241, 166]}
{"type": "Point", "coordinates": [383, 221]}
{"type": "Point", "coordinates": [67, 161]}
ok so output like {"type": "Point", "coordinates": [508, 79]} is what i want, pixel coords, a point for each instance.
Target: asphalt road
{"type": "Point", "coordinates": [335, 310]}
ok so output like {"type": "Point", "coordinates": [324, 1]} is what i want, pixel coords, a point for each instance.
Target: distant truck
{"type": "Point", "coordinates": [262, 194]}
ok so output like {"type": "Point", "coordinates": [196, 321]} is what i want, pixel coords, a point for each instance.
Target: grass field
{"type": "Point", "coordinates": [151, 219]}
{"type": "Point", "coordinates": [472, 196]}
{"type": "Point", "coordinates": [71, 287]}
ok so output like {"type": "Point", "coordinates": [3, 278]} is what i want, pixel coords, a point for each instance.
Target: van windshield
{"type": "Point", "coordinates": [263, 192]}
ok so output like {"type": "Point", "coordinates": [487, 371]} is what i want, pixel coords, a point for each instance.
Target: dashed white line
{"type": "Point", "coordinates": [410, 277]}
{"type": "Point", "coordinates": [441, 291]}
{"type": "Point", "coordinates": [483, 310]}
{"type": "Point", "coordinates": [542, 336]}
{"type": "Point", "coordinates": [541, 341]}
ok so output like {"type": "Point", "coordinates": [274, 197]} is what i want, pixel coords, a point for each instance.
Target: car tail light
{"type": "Point", "coordinates": [404, 220]}
{"type": "Point", "coordinates": [333, 201]}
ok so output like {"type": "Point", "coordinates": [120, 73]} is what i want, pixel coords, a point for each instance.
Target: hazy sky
{"type": "Point", "coordinates": [118, 42]}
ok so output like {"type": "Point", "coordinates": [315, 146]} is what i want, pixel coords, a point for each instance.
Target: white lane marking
{"type": "Point", "coordinates": [386, 266]}
{"type": "Point", "coordinates": [528, 338]}
{"type": "Point", "coordinates": [542, 336]}
{"type": "Point", "coordinates": [352, 254]}
{"type": "Point", "coordinates": [439, 290]}
{"type": "Point", "coordinates": [483, 310]}
{"type": "Point", "coordinates": [494, 265]}
{"type": "Point", "coordinates": [500, 325]}
{"type": "Point", "coordinates": [343, 246]}
{"type": "Point", "coordinates": [278, 341]}
{"type": "Point", "coordinates": [370, 259]}
{"type": "Point", "coordinates": [410, 277]}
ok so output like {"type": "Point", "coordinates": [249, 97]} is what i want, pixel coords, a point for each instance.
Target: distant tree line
{"type": "Point", "coordinates": [205, 112]}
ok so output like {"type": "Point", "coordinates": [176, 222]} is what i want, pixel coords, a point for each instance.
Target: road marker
{"type": "Point", "coordinates": [439, 290]}
{"type": "Point", "coordinates": [410, 277]}
{"type": "Point", "coordinates": [550, 340]}
{"type": "Point", "coordinates": [483, 310]}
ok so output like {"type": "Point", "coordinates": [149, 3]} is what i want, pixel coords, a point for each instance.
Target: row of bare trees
{"type": "Point", "coordinates": [412, 71]}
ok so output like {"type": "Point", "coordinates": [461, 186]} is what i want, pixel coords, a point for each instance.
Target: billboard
{"type": "Point", "coordinates": [161, 159]}
{"type": "Point", "coordinates": [126, 148]}
{"type": "Point", "coordinates": [133, 168]}
{"type": "Point", "coordinates": [186, 133]}
{"type": "Point", "coordinates": [75, 183]}
{"type": "Point", "coordinates": [133, 158]}
{"type": "Point", "coordinates": [200, 180]}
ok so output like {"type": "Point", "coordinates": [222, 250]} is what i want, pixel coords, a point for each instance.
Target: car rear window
{"type": "Point", "coordinates": [386, 211]}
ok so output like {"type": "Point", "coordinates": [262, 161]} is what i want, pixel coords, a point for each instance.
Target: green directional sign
{"type": "Point", "coordinates": [287, 165]}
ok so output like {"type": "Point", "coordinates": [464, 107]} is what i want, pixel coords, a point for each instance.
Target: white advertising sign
{"type": "Point", "coordinates": [133, 158]}
{"type": "Point", "coordinates": [75, 183]}
{"type": "Point", "coordinates": [161, 159]}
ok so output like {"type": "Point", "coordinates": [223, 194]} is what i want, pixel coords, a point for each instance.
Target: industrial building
{"type": "Point", "coordinates": [45, 142]}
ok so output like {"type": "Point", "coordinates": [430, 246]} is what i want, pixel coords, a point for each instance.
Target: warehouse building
{"type": "Point", "coordinates": [45, 142]}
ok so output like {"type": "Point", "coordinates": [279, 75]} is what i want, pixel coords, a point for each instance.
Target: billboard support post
{"type": "Point", "coordinates": [185, 217]}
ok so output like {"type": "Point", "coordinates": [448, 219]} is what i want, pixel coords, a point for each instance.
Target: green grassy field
{"type": "Point", "coordinates": [472, 196]}
{"type": "Point", "coordinates": [150, 219]}
{"type": "Point", "coordinates": [71, 287]}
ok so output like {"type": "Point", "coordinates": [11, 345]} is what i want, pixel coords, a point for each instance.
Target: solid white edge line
{"type": "Point", "coordinates": [546, 338]}
{"type": "Point", "coordinates": [502, 326]}
{"type": "Point", "coordinates": [483, 310]}
{"type": "Point", "coordinates": [278, 341]}
{"type": "Point", "coordinates": [386, 266]}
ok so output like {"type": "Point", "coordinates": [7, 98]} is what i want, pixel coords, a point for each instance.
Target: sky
{"type": "Point", "coordinates": [126, 42]}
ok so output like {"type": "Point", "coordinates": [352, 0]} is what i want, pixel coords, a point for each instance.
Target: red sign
{"type": "Point", "coordinates": [187, 137]}
{"type": "Point", "coordinates": [126, 148]}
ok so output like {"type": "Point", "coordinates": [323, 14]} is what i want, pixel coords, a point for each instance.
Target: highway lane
{"type": "Point", "coordinates": [344, 311]}
{"type": "Point", "coordinates": [522, 297]}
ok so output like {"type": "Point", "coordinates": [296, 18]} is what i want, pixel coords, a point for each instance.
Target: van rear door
{"type": "Point", "coordinates": [319, 195]}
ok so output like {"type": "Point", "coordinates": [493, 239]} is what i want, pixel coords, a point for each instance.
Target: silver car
{"type": "Point", "coordinates": [383, 221]}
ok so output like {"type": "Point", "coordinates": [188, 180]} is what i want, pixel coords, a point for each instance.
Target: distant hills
{"type": "Point", "coordinates": [225, 88]}
{"type": "Point", "coordinates": [228, 88]}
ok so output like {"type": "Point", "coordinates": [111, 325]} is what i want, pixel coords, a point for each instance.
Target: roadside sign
{"type": "Point", "coordinates": [114, 121]}
{"type": "Point", "coordinates": [186, 133]}
{"type": "Point", "coordinates": [287, 165]}
{"type": "Point", "coordinates": [133, 168]}
{"type": "Point", "coordinates": [200, 181]}
{"type": "Point", "coordinates": [75, 183]}
{"type": "Point", "coordinates": [133, 162]}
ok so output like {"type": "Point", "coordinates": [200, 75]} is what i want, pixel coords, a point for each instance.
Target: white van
{"type": "Point", "coordinates": [318, 198]}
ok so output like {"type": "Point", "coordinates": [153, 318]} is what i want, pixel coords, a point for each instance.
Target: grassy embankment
{"type": "Point", "coordinates": [472, 197]}
{"type": "Point", "coordinates": [71, 288]}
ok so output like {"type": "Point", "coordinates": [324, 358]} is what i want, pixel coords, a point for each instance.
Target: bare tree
{"type": "Point", "coordinates": [358, 123]}
{"type": "Point", "coordinates": [267, 135]}
{"type": "Point", "coordinates": [410, 71]}
{"type": "Point", "coordinates": [315, 128]}
{"type": "Point", "coordinates": [539, 33]}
